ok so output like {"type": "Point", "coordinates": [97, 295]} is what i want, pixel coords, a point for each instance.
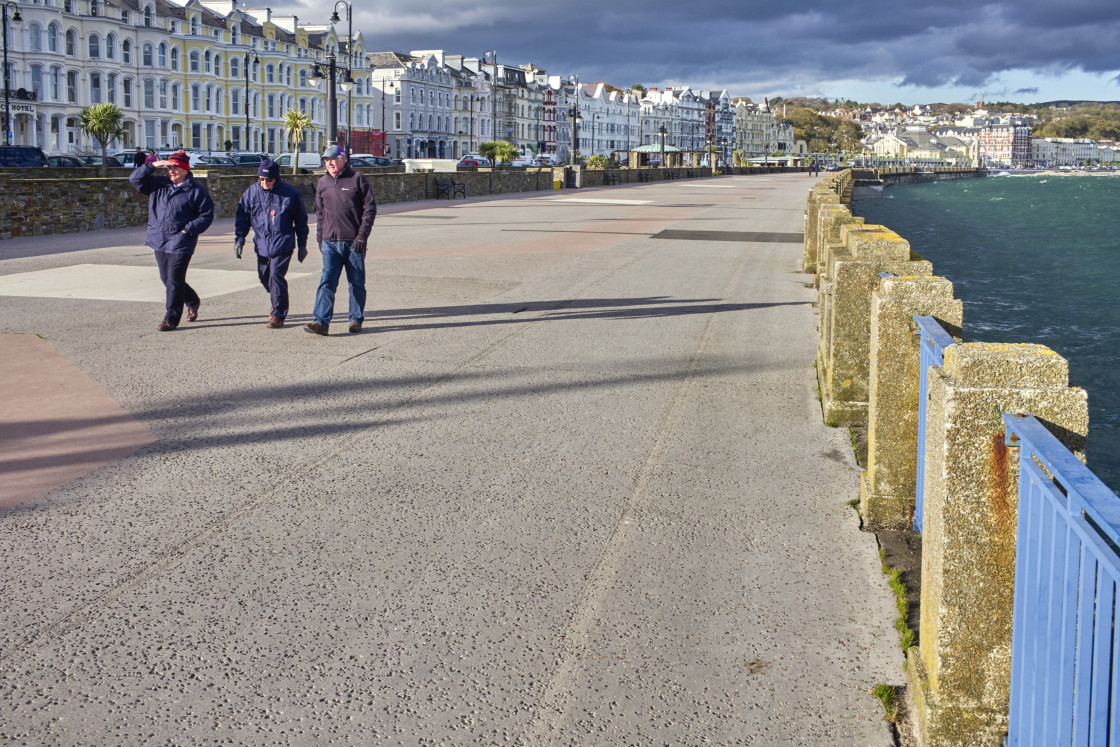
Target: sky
{"type": "Point", "coordinates": [885, 51]}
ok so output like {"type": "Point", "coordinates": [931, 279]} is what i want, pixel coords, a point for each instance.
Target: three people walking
{"type": "Point", "coordinates": [345, 209]}
{"type": "Point", "coordinates": [179, 209]}
{"type": "Point", "coordinates": [278, 217]}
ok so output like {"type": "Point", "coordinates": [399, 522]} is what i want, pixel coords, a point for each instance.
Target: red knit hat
{"type": "Point", "coordinates": [180, 159]}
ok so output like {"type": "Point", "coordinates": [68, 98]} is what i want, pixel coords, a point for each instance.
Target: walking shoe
{"type": "Point", "coordinates": [355, 327]}
{"type": "Point", "coordinates": [275, 322]}
{"type": "Point", "coordinates": [165, 326]}
{"type": "Point", "coordinates": [192, 313]}
{"type": "Point", "coordinates": [315, 328]}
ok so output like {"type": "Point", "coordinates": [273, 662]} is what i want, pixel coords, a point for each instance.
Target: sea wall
{"type": "Point", "coordinates": [870, 285]}
{"type": "Point", "coordinates": [49, 201]}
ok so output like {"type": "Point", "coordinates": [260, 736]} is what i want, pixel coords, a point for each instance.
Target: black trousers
{"type": "Point", "coordinates": [272, 271]}
{"type": "Point", "coordinates": [173, 273]}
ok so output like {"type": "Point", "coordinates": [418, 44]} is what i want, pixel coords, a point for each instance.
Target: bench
{"type": "Point", "coordinates": [645, 176]}
{"type": "Point", "coordinates": [448, 187]}
{"type": "Point", "coordinates": [613, 177]}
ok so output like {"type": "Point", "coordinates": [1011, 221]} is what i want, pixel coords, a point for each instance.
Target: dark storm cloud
{"type": "Point", "coordinates": [746, 43]}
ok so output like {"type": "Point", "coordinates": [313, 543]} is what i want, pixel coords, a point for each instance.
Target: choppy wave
{"type": "Point", "coordinates": [1034, 260]}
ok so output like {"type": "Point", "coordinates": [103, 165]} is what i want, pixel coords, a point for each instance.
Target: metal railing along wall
{"type": "Point", "coordinates": [934, 340]}
{"type": "Point", "coordinates": [1065, 657]}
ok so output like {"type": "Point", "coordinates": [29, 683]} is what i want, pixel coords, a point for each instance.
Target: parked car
{"type": "Point", "coordinates": [22, 155]}
{"type": "Point", "coordinates": [64, 161]}
{"type": "Point", "coordinates": [474, 160]}
{"type": "Point", "coordinates": [305, 161]}
{"type": "Point", "coordinates": [371, 159]}
{"type": "Point", "coordinates": [224, 162]}
{"type": "Point", "coordinates": [249, 159]}
{"type": "Point", "coordinates": [96, 161]}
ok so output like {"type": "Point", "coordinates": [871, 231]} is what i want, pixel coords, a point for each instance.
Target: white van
{"type": "Point", "coordinates": [305, 161]}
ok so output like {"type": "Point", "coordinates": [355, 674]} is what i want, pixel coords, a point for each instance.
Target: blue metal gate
{"type": "Point", "coordinates": [934, 340]}
{"type": "Point", "coordinates": [1064, 654]}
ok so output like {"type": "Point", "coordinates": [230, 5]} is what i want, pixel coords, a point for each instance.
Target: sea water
{"type": "Point", "coordinates": [1034, 259]}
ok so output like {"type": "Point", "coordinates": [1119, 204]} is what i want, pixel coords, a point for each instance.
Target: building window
{"type": "Point", "coordinates": [195, 61]}
{"type": "Point", "coordinates": [235, 101]}
{"type": "Point", "coordinates": [176, 98]}
{"type": "Point", "coordinates": [70, 43]}
{"type": "Point", "coordinates": [163, 94]}
{"type": "Point", "coordinates": [35, 38]}
{"type": "Point", "coordinates": [148, 16]}
{"type": "Point", "coordinates": [146, 55]}
{"type": "Point", "coordinates": [174, 58]}
{"type": "Point", "coordinates": [126, 52]}
{"type": "Point", "coordinates": [52, 38]}
{"type": "Point", "coordinates": [56, 84]}
{"type": "Point", "coordinates": [196, 26]}
{"type": "Point", "coordinates": [93, 7]}
{"type": "Point", "coordinates": [72, 87]}
{"type": "Point", "coordinates": [126, 100]}
{"type": "Point", "coordinates": [111, 88]}
{"type": "Point", "coordinates": [110, 47]}
{"type": "Point", "coordinates": [207, 60]}
{"type": "Point", "coordinates": [149, 94]}
{"type": "Point", "coordinates": [196, 97]}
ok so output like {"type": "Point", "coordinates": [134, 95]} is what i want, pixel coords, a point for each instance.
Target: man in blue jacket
{"type": "Point", "coordinates": [276, 213]}
{"type": "Point", "coordinates": [179, 209]}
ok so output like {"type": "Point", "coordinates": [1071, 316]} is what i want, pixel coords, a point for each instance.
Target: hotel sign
{"type": "Point", "coordinates": [19, 107]}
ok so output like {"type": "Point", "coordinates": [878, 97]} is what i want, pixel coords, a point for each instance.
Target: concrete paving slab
{"type": "Point", "coordinates": [57, 424]}
{"type": "Point", "coordinates": [121, 283]}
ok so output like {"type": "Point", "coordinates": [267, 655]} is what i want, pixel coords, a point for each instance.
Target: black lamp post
{"type": "Point", "coordinates": [661, 131]}
{"type": "Point", "coordinates": [347, 74]}
{"type": "Point", "coordinates": [573, 112]}
{"type": "Point", "coordinates": [490, 57]}
{"type": "Point", "coordinates": [253, 55]}
{"type": "Point", "coordinates": [7, 101]}
{"type": "Point", "coordinates": [344, 82]}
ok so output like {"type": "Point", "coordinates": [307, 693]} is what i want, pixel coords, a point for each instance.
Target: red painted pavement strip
{"type": "Point", "coordinates": [56, 424]}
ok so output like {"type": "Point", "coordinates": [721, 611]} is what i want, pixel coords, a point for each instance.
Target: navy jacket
{"type": "Point", "coordinates": [344, 207]}
{"type": "Point", "coordinates": [277, 216]}
{"type": "Point", "coordinates": [175, 216]}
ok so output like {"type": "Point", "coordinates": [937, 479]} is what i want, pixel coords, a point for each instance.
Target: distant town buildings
{"type": "Point", "coordinates": [213, 75]}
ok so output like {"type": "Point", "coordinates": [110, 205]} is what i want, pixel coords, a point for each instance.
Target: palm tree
{"type": "Point", "coordinates": [498, 151]}
{"type": "Point", "coordinates": [295, 122]}
{"type": "Point", "coordinates": [105, 123]}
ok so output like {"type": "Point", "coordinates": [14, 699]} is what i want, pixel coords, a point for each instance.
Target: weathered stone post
{"type": "Point", "coordinates": [960, 672]}
{"type": "Point", "coordinates": [820, 195]}
{"type": "Point", "coordinates": [887, 487]}
{"type": "Point", "coordinates": [843, 359]}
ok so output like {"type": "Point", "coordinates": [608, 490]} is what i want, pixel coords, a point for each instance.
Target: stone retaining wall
{"type": "Point", "coordinates": [59, 200]}
{"type": "Point", "coordinates": [868, 372]}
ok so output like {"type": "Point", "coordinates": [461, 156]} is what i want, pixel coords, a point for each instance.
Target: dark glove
{"type": "Point", "coordinates": [359, 246]}
{"type": "Point", "coordinates": [301, 254]}
{"type": "Point", "coordinates": [238, 245]}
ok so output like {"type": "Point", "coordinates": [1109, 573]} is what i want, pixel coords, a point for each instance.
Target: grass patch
{"type": "Point", "coordinates": [855, 443]}
{"type": "Point", "coordinates": [888, 696]}
{"type": "Point", "coordinates": [906, 636]}
{"type": "Point", "coordinates": [832, 422]}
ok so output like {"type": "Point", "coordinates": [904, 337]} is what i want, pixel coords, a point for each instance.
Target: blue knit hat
{"type": "Point", "coordinates": [269, 169]}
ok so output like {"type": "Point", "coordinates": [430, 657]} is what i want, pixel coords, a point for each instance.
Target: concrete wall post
{"type": "Point", "coordinates": [960, 672]}
{"type": "Point", "coordinates": [843, 359]}
{"type": "Point", "coordinates": [887, 486]}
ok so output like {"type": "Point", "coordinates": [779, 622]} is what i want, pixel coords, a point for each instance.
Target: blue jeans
{"type": "Point", "coordinates": [336, 256]}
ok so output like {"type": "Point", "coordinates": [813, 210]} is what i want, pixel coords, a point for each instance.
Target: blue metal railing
{"type": "Point", "coordinates": [934, 340]}
{"type": "Point", "coordinates": [1065, 657]}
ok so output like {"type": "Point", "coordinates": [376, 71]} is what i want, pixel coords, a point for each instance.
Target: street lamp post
{"type": "Point", "coordinates": [7, 102]}
{"type": "Point", "coordinates": [573, 112]}
{"type": "Point", "coordinates": [594, 130]}
{"type": "Point", "coordinates": [661, 132]}
{"type": "Point", "coordinates": [348, 73]}
{"type": "Point", "coordinates": [253, 55]}
{"type": "Point", "coordinates": [385, 82]}
{"type": "Point", "coordinates": [344, 82]}
{"type": "Point", "coordinates": [490, 57]}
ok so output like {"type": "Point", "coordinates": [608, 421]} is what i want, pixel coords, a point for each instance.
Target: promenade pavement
{"type": "Point", "coordinates": [569, 486]}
